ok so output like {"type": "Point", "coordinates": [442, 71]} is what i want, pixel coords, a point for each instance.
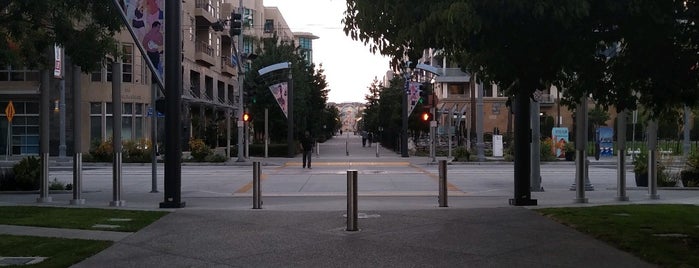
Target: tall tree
{"type": "Point", "coordinates": [527, 45]}
{"type": "Point", "coordinates": [309, 85]}
{"type": "Point", "coordinates": [85, 28]}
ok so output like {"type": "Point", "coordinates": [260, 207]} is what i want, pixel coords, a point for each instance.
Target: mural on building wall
{"type": "Point", "coordinates": [147, 21]}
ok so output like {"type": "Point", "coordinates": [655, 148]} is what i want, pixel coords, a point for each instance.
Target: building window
{"type": "Point", "coordinates": [247, 46]}
{"type": "Point", "coordinates": [488, 90]}
{"type": "Point", "coordinates": [25, 129]}
{"type": "Point", "coordinates": [96, 120]}
{"type": "Point", "coordinates": [457, 88]}
{"type": "Point", "coordinates": [305, 43]}
{"type": "Point", "coordinates": [96, 76]}
{"type": "Point", "coordinates": [191, 28]}
{"type": "Point", "coordinates": [269, 26]}
{"type": "Point", "coordinates": [18, 74]}
{"type": "Point", "coordinates": [247, 18]}
{"type": "Point", "coordinates": [126, 121]}
{"type": "Point", "coordinates": [127, 63]}
{"type": "Point", "coordinates": [218, 46]}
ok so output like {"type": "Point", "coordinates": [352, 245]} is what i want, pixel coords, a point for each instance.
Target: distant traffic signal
{"type": "Point", "coordinates": [426, 116]}
{"type": "Point", "coordinates": [236, 24]}
{"type": "Point", "coordinates": [246, 117]}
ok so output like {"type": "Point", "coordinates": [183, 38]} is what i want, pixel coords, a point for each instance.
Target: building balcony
{"type": "Point", "coordinates": [204, 12]}
{"type": "Point", "coordinates": [204, 54]}
{"type": "Point", "coordinates": [547, 100]}
{"type": "Point", "coordinates": [451, 75]}
{"type": "Point", "coordinates": [227, 67]}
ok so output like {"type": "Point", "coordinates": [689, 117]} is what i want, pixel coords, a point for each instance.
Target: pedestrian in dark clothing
{"type": "Point", "coordinates": [307, 143]}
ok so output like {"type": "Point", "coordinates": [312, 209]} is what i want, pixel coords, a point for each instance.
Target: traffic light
{"type": "Point", "coordinates": [423, 94]}
{"type": "Point", "coordinates": [236, 24]}
{"type": "Point", "coordinates": [426, 116]}
{"type": "Point", "coordinates": [250, 96]}
{"type": "Point", "coordinates": [246, 117]}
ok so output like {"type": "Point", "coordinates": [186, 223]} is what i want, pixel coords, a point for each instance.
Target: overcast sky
{"type": "Point", "coordinates": [349, 66]}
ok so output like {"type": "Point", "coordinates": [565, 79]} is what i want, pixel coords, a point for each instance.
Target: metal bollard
{"type": "Point", "coordinates": [377, 149]}
{"type": "Point", "coordinates": [443, 183]}
{"type": "Point", "coordinates": [256, 193]}
{"type": "Point", "coordinates": [352, 200]}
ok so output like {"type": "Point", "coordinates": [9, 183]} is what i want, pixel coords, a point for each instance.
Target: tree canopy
{"type": "Point", "coordinates": [611, 49]}
{"type": "Point", "coordinates": [311, 112]}
{"type": "Point", "coordinates": [85, 28]}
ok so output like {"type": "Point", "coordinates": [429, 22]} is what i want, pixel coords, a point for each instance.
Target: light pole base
{"type": "Point", "coordinates": [654, 196]}
{"type": "Point", "coordinates": [622, 198]}
{"type": "Point", "coordinates": [77, 201]}
{"type": "Point", "coordinates": [44, 199]}
{"type": "Point", "coordinates": [117, 203]}
{"type": "Point", "coordinates": [580, 200]}
{"type": "Point", "coordinates": [523, 202]}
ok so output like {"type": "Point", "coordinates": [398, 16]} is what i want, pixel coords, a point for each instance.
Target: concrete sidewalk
{"type": "Point", "coordinates": [309, 231]}
{"type": "Point", "coordinates": [440, 237]}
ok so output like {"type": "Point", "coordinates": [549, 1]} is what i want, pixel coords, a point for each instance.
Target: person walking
{"type": "Point", "coordinates": [307, 143]}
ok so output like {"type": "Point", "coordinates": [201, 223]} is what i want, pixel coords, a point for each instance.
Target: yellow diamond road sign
{"type": "Point", "coordinates": [10, 111]}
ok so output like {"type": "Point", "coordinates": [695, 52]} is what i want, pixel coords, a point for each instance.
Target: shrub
{"type": "Point", "coordinates": [56, 185]}
{"type": "Point", "coordinates": [199, 149]}
{"type": "Point", "coordinates": [102, 151]}
{"type": "Point", "coordinates": [27, 173]}
{"type": "Point", "coordinates": [545, 150]}
{"type": "Point", "coordinates": [215, 158]}
{"type": "Point", "coordinates": [137, 151]}
{"type": "Point", "coordinates": [690, 174]}
{"type": "Point", "coordinates": [461, 154]}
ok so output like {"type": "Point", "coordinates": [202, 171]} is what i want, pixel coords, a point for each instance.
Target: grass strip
{"type": "Point", "coordinates": [77, 218]}
{"type": "Point", "coordinates": [61, 252]}
{"type": "Point", "coordinates": [667, 235]}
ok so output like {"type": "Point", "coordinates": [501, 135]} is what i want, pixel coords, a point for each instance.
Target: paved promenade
{"type": "Point", "coordinates": [399, 226]}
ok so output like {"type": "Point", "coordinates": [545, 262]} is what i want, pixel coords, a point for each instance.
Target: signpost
{"type": "Point", "coordinates": [10, 113]}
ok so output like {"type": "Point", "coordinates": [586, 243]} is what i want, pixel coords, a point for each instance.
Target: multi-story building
{"type": "Point", "coordinates": [457, 94]}
{"type": "Point", "coordinates": [209, 71]}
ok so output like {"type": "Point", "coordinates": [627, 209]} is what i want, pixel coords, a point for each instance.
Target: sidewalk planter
{"type": "Point", "coordinates": [642, 179]}
{"type": "Point", "coordinates": [570, 156]}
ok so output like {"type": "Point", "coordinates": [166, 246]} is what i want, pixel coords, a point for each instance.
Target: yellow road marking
{"type": "Point", "coordinates": [248, 186]}
{"type": "Point", "coordinates": [340, 163]}
{"type": "Point", "coordinates": [450, 187]}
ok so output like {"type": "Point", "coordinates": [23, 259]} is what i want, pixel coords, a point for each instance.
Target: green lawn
{"type": "Point", "coordinates": [61, 252]}
{"type": "Point", "coordinates": [78, 218]}
{"type": "Point", "coordinates": [667, 235]}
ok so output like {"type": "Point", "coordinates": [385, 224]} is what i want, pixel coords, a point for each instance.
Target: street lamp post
{"type": "Point", "coordinates": [404, 114]}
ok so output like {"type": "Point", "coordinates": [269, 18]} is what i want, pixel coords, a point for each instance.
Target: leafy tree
{"type": "Point", "coordinates": [528, 45]}
{"type": "Point", "coordinates": [309, 85]}
{"type": "Point", "coordinates": [85, 28]}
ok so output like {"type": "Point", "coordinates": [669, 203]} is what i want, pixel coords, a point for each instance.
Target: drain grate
{"type": "Point", "coordinates": [8, 261]}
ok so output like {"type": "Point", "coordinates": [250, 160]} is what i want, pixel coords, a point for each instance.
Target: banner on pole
{"type": "Point", "coordinates": [559, 138]}
{"type": "Point", "coordinates": [413, 95]}
{"type": "Point", "coordinates": [280, 93]}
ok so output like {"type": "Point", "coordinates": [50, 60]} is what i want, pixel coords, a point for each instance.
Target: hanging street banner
{"type": "Point", "coordinates": [58, 62]}
{"type": "Point", "coordinates": [605, 139]}
{"type": "Point", "coordinates": [280, 94]}
{"type": "Point", "coordinates": [413, 95]}
{"type": "Point", "coordinates": [559, 138]}
{"type": "Point", "coordinates": [145, 20]}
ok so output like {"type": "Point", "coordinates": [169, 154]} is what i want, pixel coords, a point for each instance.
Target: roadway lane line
{"type": "Point", "coordinates": [450, 187]}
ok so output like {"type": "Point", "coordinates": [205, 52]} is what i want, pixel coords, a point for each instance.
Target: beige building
{"type": "Point", "coordinates": [210, 81]}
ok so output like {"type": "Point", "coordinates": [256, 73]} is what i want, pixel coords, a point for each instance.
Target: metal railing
{"type": "Point", "coordinates": [202, 47]}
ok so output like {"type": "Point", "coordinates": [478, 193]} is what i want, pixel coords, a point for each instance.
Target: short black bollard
{"type": "Point", "coordinates": [443, 183]}
{"type": "Point", "coordinates": [256, 192]}
{"type": "Point", "coordinates": [352, 200]}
